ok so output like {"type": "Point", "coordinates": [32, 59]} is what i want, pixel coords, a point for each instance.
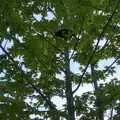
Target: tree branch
{"type": "Point", "coordinates": [24, 75]}
{"type": "Point", "coordinates": [117, 58]}
{"type": "Point", "coordinates": [111, 113]}
{"type": "Point", "coordinates": [96, 46]}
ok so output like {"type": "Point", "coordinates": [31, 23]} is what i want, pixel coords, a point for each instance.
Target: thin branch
{"type": "Point", "coordinates": [111, 113]}
{"type": "Point", "coordinates": [5, 43]}
{"type": "Point", "coordinates": [117, 58]}
{"type": "Point", "coordinates": [75, 46]}
{"type": "Point", "coordinates": [106, 43]}
{"type": "Point", "coordinates": [9, 56]}
{"type": "Point", "coordinates": [51, 10]}
{"type": "Point", "coordinates": [99, 38]}
{"type": "Point", "coordinates": [43, 96]}
{"type": "Point", "coordinates": [77, 40]}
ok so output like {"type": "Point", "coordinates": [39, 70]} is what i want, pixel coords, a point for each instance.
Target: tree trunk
{"type": "Point", "coordinates": [68, 84]}
{"type": "Point", "coordinates": [100, 113]}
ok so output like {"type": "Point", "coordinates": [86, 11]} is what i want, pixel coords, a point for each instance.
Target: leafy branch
{"type": "Point", "coordinates": [96, 46]}
{"type": "Point", "coordinates": [29, 83]}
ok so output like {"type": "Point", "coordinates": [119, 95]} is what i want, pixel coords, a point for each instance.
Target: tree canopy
{"type": "Point", "coordinates": [41, 41]}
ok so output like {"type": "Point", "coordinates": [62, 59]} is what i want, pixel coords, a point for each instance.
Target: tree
{"type": "Point", "coordinates": [39, 40]}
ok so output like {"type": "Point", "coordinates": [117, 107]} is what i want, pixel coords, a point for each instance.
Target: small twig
{"type": "Point", "coordinates": [5, 43]}
{"type": "Point", "coordinates": [106, 43]}
{"type": "Point", "coordinates": [117, 58]}
{"type": "Point", "coordinates": [76, 44]}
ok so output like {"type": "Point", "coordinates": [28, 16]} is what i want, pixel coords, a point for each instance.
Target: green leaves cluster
{"type": "Point", "coordinates": [29, 67]}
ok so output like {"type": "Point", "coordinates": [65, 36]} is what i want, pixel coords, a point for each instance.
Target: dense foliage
{"type": "Point", "coordinates": [41, 41]}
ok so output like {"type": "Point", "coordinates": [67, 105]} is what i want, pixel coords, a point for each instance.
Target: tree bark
{"type": "Point", "coordinates": [68, 85]}
{"type": "Point", "coordinates": [100, 112]}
